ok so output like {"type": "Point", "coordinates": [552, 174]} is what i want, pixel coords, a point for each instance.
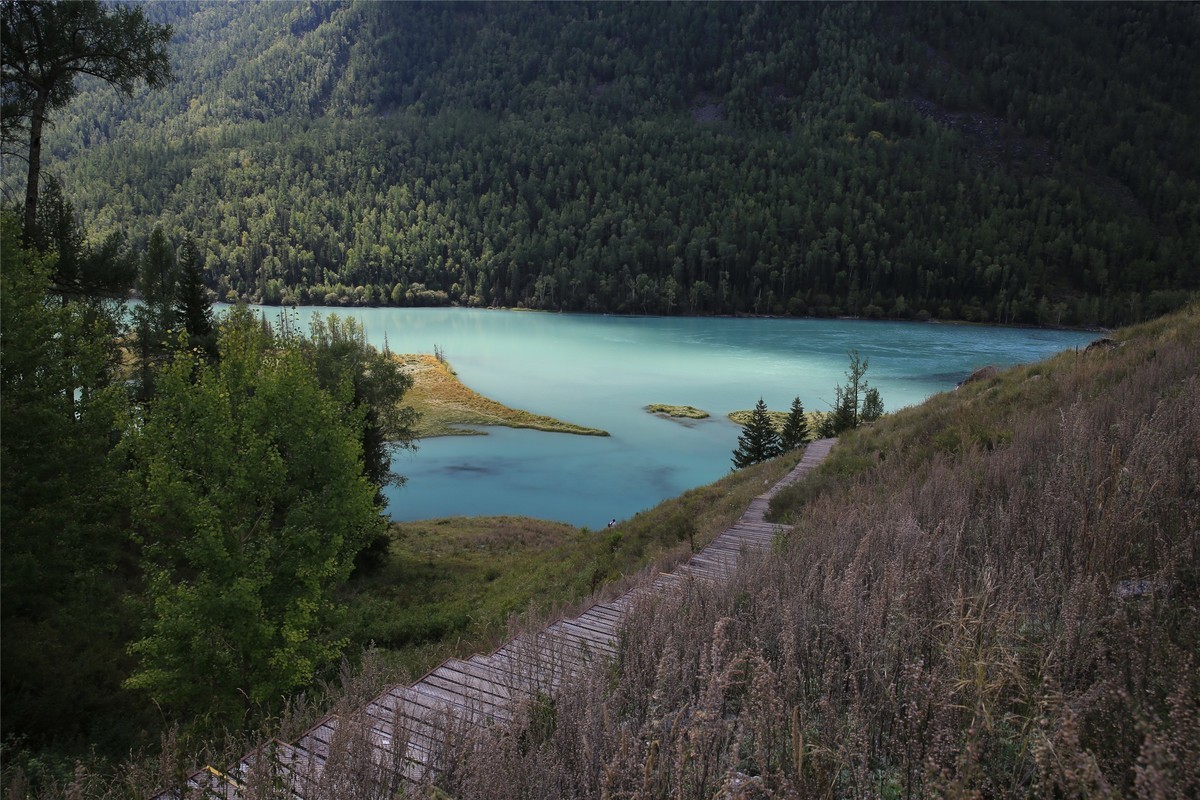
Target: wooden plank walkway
{"type": "Point", "coordinates": [404, 725]}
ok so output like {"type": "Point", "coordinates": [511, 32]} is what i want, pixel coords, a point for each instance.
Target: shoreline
{"type": "Point", "coordinates": [1097, 329]}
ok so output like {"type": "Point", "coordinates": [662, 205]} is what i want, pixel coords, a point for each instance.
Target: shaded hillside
{"type": "Point", "coordinates": [1000, 162]}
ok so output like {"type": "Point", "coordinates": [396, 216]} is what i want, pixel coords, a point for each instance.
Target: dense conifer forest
{"type": "Point", "coordinates": [1012, 163]}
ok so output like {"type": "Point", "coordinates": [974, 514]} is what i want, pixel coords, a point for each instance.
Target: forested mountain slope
{"type": "Point", "coordinates": [1001, 162]}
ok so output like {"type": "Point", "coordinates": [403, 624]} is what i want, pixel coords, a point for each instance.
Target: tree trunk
{"type": "Point", "coordinates": [37, 116]}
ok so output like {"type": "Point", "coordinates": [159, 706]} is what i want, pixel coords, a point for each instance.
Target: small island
{"type": "Point", "coordinates": [683, 412]}
{"type": "Point", "coordinates": [445, 404]}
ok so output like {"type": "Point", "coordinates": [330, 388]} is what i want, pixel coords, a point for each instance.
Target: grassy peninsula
{"type": "Point", "coordinates": [446, 404]}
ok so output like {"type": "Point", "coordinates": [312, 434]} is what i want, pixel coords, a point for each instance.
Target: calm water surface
{"type": "Point", "coordinates": [601, 371]}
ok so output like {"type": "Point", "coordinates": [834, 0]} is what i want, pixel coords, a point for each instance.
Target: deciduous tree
{"type": "Point", "coordinates": [375, 384]}
{"type": "Point", "coordinates": [872, 407]}
{"type": "Point", "coordinates": [250, 504]}
{"type": "Point", "coordinates": [850, 403]}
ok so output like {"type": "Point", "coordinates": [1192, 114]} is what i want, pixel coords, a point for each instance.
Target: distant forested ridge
{"type": "Point", "coordinates": [1023, 163]}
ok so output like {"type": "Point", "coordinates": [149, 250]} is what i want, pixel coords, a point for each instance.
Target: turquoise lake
{"type": "Point", "coordinates": [601, 371]}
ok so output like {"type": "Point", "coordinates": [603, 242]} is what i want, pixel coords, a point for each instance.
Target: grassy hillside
{"type": "Point", "coordinates": [993, 594]}
{"type": "Point", "coordinates": [449, 587]}
{"type": "Point", "coordinates": [1029, 163]}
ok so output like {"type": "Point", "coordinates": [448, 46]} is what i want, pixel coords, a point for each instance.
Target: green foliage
{"type": "Point", "coordinates": [250, 504]}
{"type": "Point", "coordinates": [759, 439]}
{"type": "Point", "coordinates": [154, 318]}
{"type": "Point", "coordinates": [80, 268]}
{"type": "Point", "coordinates": [192, 306]}
{"type": "Point", "coordinates": [682, 526]}
{"type": "Point", "coordinates": [376, 383]}
{"type": "Point", "coordinates": [795, 427]}
{"type": "Point", "coordinates": [687, 412]}
{"type": "Point", "coordinates": [62, 619]}
{"type": "Point", "coordinates": [856, 402]}
{"type": "Point", "coordinates": [860, 160]}
{"type": "Point", "coordinates": [48, 45]}
{"type": "Point", "coordinates": [872, 405]}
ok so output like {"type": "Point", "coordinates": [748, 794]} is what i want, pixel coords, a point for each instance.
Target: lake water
{"type": "Point", "coordinates": [601, 371]}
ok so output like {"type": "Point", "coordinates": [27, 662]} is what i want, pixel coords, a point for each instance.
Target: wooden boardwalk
{"type": "Point", "coordinates": [405, 725]}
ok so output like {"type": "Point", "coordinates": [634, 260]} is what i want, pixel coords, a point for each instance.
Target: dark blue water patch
{"type": "Point", "coordinates": [468, 469]}
{"type": "Point", "coordinates": [661, 480]}
{"type": "Point", "coordinates": [687, 422]}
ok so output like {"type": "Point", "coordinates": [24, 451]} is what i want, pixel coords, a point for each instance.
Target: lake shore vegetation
{"type": "Point", "coordinates": [445, 406]}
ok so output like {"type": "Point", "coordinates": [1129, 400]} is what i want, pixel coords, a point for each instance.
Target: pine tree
{"type": "Point", "coordinates": [758, 441]}
{"type": "Point", "coordinates": [192, 305]}
{"type": "Point", "coordinates": [48, 45]}
{"type": "Point", "coordinates": [154, 319]}
{"type": "Point", "coordinates": [795, 429]}
{"type": "Point", "coordinates": [856, 401]}
{"type": "Point", "coordinates": [872, 407]}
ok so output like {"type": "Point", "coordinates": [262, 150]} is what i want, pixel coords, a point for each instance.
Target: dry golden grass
{"type": "Point", "coordinates": [688, 412]}
{"type": "Point", "coordinates": [446, 405]}
{"type": "Point", "coordinates": [994, 594]}
{"type": "Point", "coordinates": [778, 418]}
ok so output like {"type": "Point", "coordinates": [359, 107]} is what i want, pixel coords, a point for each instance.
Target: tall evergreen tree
{"type": "Point", "coordinates": [155, 317]}
{"type": "Point", "coordinates": [60, 616]}
{"type": "Point", "coordinates": [758, 441]}
{"type": "Point", "coordinates": [872, 406]}
{"type": "Point", "coordinates": [47, 45]}
{"type": "Point", "coordinates": [795, 428]}
{"type": "Point", "coordinates": [192, 305]}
